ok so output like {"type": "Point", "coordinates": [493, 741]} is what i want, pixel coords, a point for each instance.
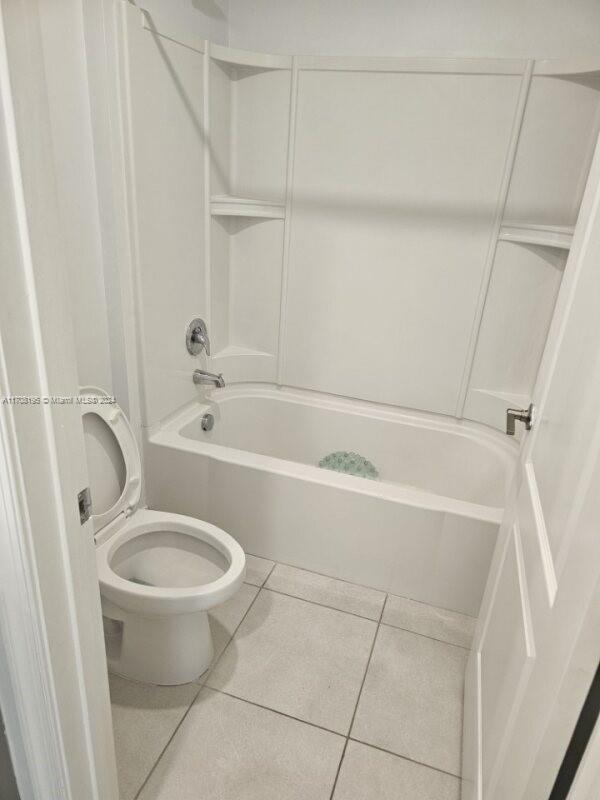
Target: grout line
{"type": "Point", "coordinates": [270, 573]}
{"type": "Point", "coordinates": [321, 605]}
{"type": "Point", "coordinates": [260, 585]}
{"type": "Point", "coordinates": [170, 739]}
{"type": "Point", "coordinates": [276, 711]}
{"type": "Point", "coordinates": [201, 685]}
{"type": "Point", "coordinates": [206, 675]}
{"type": "Point", "coordinates": [405, 758]}
{"type": "Point", "coordinates": [330, 577]}
{"type": "Point", "coordinates": [430, 605]}
{"type": "Point", "coordinates": [426, 636]}
{"type": "Point", "coordinates": [360, 616]}
{"type": "Point", "coordinates": [368, 665]}
{"type": "Point", "coordinates": [360, 586]}
{"type": "Point", "coordinates": [337, 774]}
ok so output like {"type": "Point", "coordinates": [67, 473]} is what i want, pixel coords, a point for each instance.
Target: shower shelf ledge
{"type": "Point", "coordinates": [237, 351]}
{"type": "Point", "coordinates": [246, 58]}
{"type": "Point", "coordinates": [225, 205]}
{"type": "Point", "coordinates": [545, 235]}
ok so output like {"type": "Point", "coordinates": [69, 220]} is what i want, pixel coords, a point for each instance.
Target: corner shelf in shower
{"type": "Point", "coordinates": [225, 205]}
{"type": "Point", "coordinates": [239, 363]}
{"type": "Point", "coordinates": [544, 235]}
{"type": "Point", "coordinates": [246, 58]}
{"type": "Point", "coordinates": [568, 67]}
{"type": "Point", "coordinates": [237, 351]}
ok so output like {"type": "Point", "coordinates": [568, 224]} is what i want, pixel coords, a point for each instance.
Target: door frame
{"type": "Point", "coordinates": [587, 778]}
{"type": "Point", "coordinates": [53, 676]}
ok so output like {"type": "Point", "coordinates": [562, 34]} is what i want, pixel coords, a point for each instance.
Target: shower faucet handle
{"type": "Point", "coordinates": [522, 415]}
{"type": "Point", "coordinates": [196, 337]}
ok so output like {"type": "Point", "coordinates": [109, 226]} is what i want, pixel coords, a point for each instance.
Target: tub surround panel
{"type": "Point", "coordinates": [327, 212]}
{"type": "Point", "coordinates": [517, 315]}
{"type": "Point", "coordinates": [552, 160]}
{"type": "Point", "coordinates": [166, 173]}
{"type": "Point", "coordinates": [388, 250]}
{"type": "Point", "coordinates": [555, 151]}
{"type": "Point", "coordinates": [248, 124]}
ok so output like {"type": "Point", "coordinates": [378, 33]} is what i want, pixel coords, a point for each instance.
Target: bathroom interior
{"type": "Point", "coordinates": [330, 307]}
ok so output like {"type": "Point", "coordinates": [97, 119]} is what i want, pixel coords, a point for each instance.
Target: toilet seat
{"type": "Point", "coordinates": [167, 600]}
{"type": "Point", "coordinates": [123, 522]}
{"type": "Point", "coordinates": [93, 402]}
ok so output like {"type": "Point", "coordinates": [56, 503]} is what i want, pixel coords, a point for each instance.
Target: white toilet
{"type": "Point", "coordinates": [159, 573]}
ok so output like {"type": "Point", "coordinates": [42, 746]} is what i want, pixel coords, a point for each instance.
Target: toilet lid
{"type": "Point", "coordinates": [113, 459]}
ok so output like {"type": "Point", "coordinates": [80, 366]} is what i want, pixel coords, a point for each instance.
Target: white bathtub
{"type": "Point", "coordinates": [425, 529]}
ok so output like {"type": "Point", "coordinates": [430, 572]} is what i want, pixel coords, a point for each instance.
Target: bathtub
{"type": "Point", "coordinates": [425, 529]}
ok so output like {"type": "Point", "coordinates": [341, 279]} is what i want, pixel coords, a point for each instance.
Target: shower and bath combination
{"type": "Point", "coordinates": [353, 568]}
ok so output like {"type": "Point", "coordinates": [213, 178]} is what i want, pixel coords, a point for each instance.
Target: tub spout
{"type": "Point", "coordinates": [201, 377]}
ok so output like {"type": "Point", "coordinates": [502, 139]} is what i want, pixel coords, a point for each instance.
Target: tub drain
{"type": "Point", "coordinates": [350, 464]}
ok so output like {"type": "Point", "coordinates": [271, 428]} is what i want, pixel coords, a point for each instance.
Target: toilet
{"type": "Point", "coordinates": [159, 572]}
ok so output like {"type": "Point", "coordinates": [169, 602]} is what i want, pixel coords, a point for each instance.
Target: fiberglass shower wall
{"type": "Point", "coordinates": [387, 229]}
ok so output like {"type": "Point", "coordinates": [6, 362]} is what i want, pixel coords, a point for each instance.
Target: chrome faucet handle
{"type": "Point", "coordinates": [522, 415]}
{"type": "Point", "coordinates": [196, 337]}
{"type": "Point", "coordinates": [200, 336]}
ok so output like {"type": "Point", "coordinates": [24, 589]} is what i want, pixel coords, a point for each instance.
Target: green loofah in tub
{"type": "Point", "coordinates": [350, 464]}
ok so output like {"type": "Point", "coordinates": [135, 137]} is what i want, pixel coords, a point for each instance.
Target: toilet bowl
{"type": "Point", "coordinates": [159, 572]}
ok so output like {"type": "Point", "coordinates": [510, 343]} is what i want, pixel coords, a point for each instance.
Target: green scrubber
{"type": "Point", "coordinates": [350, 464]}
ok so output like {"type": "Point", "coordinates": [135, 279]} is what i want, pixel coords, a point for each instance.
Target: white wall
{"type": "Point", "coordinates": [165, 166]}
{"type": "Point", "coordinates": [66, 74]}
{"type": "Point", "coordinates": [522, 28]}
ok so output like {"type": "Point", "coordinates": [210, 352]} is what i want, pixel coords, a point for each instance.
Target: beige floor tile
{"type": "Point", "coordinates": [232, 750]}
{"type": "Point", "coordinates": [298, 658]}
{"type": "Point", "coordinates": [448, 626]}
{"type": "Point", "coordinates": [257, 569]}
{"type": "Point", "coordinates": [225, 618]}
{"type": "Point", "coordinates": [144, 718]}
{"type": "Point", "coordinates": [328, 591]}
{"type": "Point", "coordinates": [370, 774]}
{"type": "Point", "coordinates": [411, 703]}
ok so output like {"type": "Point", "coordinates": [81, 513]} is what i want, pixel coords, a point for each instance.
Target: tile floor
{"type": "Point", "coordinates": [320, 690]}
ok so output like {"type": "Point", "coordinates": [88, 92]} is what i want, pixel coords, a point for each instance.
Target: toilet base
{"type": "Point", "coordinates": [167, 650]}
